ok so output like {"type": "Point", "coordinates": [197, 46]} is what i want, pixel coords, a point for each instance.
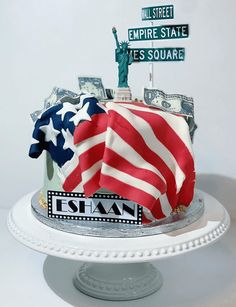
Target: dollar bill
{"type": "Point", "coordinates": [58, 95]}
{"type": "Point", "coordinates": [92, 85]}
{"type": "Point", "coordinates": [173, 103]}
{"type": "Point", "coordinates": [35, 115]}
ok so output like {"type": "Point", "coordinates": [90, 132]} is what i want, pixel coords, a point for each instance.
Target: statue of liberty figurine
{"type": "Point", "coordinates": [124, 59]}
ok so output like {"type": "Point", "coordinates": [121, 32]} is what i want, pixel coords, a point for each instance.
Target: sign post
{"type": "Point", "coordinates": [153, 33]}
{"type": "Point", "coordinates": [151, 67]}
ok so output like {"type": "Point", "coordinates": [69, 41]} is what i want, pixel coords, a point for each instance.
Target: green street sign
{"type": "Point", "coordinates": [158, 12]}
{"type": "Point", "coordinates": [157, 54]}
{"type": "Point", "coordinates": [158, 33]}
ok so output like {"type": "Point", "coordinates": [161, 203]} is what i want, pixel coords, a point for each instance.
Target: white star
{"type": "Point", "coordinates": [69, 140]}
{"type": "Point", "coordinates": [82, 114]}
{"type": "Point", "coordinates": [83, 96]}
{"type": "Point", "coordinates": [67, 107]}
{"type": "Point", "coordinates": [50, 132]}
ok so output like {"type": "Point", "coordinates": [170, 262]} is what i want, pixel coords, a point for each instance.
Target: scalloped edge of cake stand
{"type": "Point", "coordinates": [28, 230]}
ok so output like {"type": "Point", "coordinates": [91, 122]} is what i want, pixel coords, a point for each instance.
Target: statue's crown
{"type": "Point", "coordinates": [124, 44]}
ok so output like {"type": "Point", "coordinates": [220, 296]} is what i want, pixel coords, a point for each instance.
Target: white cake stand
{"type": "Point", "coordinates": [117, 268]}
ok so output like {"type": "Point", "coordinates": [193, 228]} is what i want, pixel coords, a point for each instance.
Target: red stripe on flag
{"type": "Point", "coordinates": [87, 129]}
{"type": "Point", "coordinates": [146, 108]}
{"type": "Point", "coordinates": [92, 185]}
{"type": "Point", "coordinates": [145, 220]}
{"type": "Point", "coordinates": [157, 210]}
{"type": "Point", "coordinates": [91, 156]}
{"type": "Point", "coordinates": [186, 192]}
{"type": "Point", "coordinates": [113, 159]}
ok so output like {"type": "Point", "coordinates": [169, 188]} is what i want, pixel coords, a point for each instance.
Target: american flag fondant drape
{"type": "Point", "coordinates": [138, 152]}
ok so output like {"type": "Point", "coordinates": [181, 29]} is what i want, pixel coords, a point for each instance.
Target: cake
{"type": "Point", "coordinates": [111, 162]}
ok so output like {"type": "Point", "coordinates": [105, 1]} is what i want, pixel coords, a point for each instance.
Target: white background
{"type": "Point", "coordinates": [48, 43]}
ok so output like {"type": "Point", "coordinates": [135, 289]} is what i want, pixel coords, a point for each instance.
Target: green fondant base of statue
{"type": "Point", "coordinates": [124, 59]}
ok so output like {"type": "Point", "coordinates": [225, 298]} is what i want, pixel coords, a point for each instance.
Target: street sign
{"type": "Point", "coordinates": [158, 12]}
{"type": "Point", "coordinates": [158, 33]}
{"type": "Point", "coordinates": [158, 54]}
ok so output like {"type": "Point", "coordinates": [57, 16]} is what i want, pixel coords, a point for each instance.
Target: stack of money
{"type": "Point", "coordinates": [58, 95]}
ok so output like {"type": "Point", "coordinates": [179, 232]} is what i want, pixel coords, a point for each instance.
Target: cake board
{"type": "Point", "coordinates": [117, 268]}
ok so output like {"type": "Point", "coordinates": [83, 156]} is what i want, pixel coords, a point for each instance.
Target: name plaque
{"type": "Point", "coordinates": [98, 208]}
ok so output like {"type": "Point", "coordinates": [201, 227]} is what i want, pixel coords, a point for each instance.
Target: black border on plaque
{"type": "Point", "coordinates": [89, 218]}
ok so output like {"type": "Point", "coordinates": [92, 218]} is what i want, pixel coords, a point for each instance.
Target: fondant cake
{"type": "Point", "coordinates": [111, 162]}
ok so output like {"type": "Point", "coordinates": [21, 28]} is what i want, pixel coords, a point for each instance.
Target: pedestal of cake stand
{"type": "Point", "coordinates": [126, 281]}
{"type": "Point", "coordinates": [117, 268]}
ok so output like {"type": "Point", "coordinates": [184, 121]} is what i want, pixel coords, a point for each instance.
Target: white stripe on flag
{"type": "Point", "coordinates": [67, 169]}
{"type": "Point", "coordinates": [165, 205]}
{"type": "Point", "coordinates": [148, 214]}
{"type": "Point", "coordinates": [130, 180]}
{"type": "Point", "coordinates": [79, 188]}
{"type": "Point", "coordinates": [90, 172]}
{"type": "Point", "coordinates": [69, 166]}
{"type": "Point", "coordinates": [90, 142]}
